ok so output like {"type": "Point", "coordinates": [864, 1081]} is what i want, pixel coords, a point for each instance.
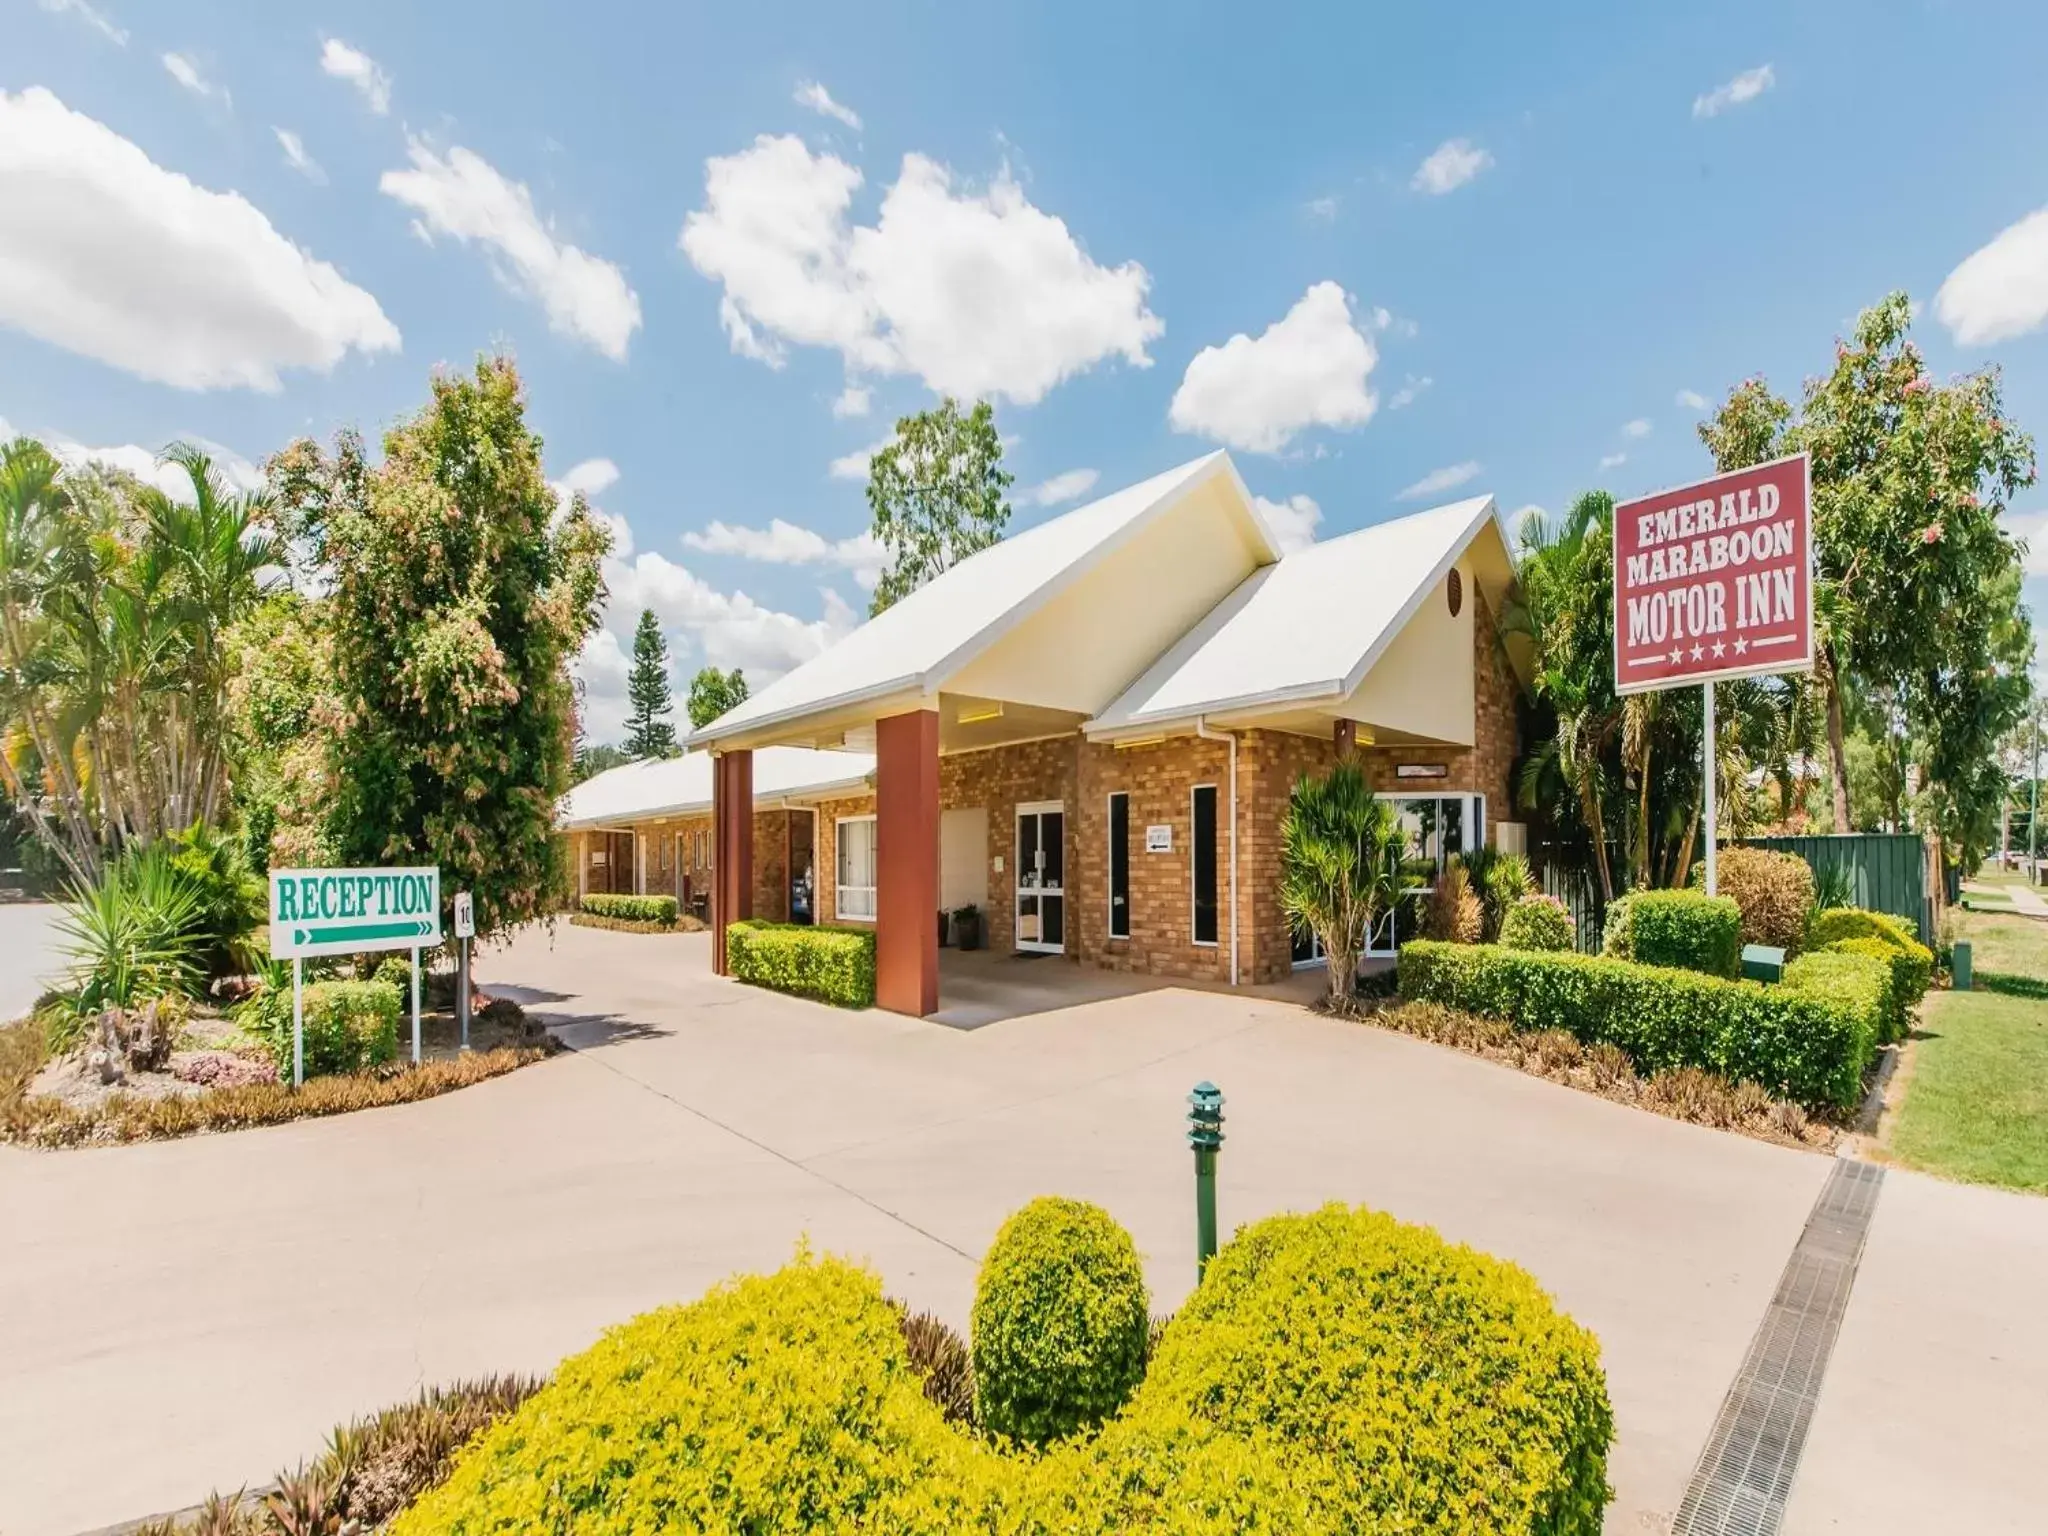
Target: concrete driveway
{"type": "Point", "coordinates": [28, 955]}
{"type": "Point", "coordinates": [195, 1314]}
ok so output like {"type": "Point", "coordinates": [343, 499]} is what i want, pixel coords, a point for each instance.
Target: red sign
{"type": "Point", "coordinates": [1715, 579]}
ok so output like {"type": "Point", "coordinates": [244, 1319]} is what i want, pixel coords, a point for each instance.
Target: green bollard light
{"type": "Point", "coordinates": [1205, 1135]}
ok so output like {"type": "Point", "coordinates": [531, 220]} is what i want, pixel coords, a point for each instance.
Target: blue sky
{"type": "Point", "coordinates": [1465, 251]}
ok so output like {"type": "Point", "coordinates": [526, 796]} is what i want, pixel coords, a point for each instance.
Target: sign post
{"type": "Point", "coordinates": [465, 930]}
{"type": "Point", "coordinates": [350, 912]}
{"type": "Point", "coordinates": [1715, 580]}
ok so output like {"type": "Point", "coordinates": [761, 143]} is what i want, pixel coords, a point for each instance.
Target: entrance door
{"type": "Point", "coordinates": [803, 834]}
{"type": "Point", "coordinates": [1042, 877]}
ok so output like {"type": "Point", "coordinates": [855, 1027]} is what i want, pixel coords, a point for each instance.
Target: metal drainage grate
{"type": "Point", "coordinates": [1745, 1474]}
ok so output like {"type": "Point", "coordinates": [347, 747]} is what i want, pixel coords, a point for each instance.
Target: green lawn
{"type": "Point", "coordinates": [1976, 1100]}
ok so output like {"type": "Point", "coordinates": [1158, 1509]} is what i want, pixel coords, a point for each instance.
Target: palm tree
{"type": "Point", "coordinates": [1340, 867]}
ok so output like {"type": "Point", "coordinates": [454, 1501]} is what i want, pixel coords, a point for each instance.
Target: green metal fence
{"type": "Point", "coordinates": [1887, 871]}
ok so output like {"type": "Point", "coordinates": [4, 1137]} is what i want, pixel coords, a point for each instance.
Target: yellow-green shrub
{"type": "Point", "coordinates": [1060, 1318]}
{"type": "Point", "coordinates": [1914, 968]}
{"type": "Point", "coordinates": [833, 965]}
{"type": "Point", "coordinates": [657, 910]}
{"type": "Point", "coordinates": [1334, 1373]}
{"type": "Point", "coordinates": [1536, 922]}
{"type": "Point", "coordinates": [1898, 978]}
{"type": "Point", "coordinates": [348, 1025]}
{"type": "Point", "coordinates": [1687, 930]}
{"type": "Point", "coordinates": [1861, 984]}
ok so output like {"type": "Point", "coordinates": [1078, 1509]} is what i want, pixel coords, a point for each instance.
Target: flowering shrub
{"type": "Point", "coordinates": [1537, 922]}
{"type": "Point", "coordinates": [222, 1069]}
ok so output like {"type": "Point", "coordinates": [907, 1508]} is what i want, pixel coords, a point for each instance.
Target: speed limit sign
{"type": "Point", "coordinates": [465, 916]}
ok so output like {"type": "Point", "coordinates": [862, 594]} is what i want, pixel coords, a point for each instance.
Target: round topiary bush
{"type": "Point", "coordinates": [1773, 890]}
{"type": "Point", "coordinates": [1060, 1321]}
{"type": "Point", "coordinates": [1537, 922]}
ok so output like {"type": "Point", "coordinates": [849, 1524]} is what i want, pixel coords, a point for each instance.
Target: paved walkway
{"type": "Point", "coordinates": [195, 1314]}
{"type": "Point", "coordinates": [28, 955]}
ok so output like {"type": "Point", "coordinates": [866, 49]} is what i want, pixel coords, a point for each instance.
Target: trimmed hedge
{"type": "Point", "coordinates": [1685, 930]}
{"type": "Point", "coordinates": [1913, 967]}
{"type": "Point", "coordinates": [832, 965]}
{"type": "Point", "coordinates": [1793, 1044]}
{"type": "Point", "coordinates": [1537, 922]}
{"type": "Point", "coordinates": [1861, 983]}
{"type": "Point", "coordinates": [1060, 1321]}
{"type": "Point", "coordinates": [632, 909]}
{"type": "Point", "coordinates": [1334, 1372]}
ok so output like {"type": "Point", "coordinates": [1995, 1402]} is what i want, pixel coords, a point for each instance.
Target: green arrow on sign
{"type": "Point", "coordinates": [362, 933]}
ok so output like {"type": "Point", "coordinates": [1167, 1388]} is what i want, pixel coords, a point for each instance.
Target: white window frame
{"type": "Point", "coordinates": [1475, 835]}
{"type": "Point", "coordinates": [1193, 849]}
{"type": "Point", "coordinates": [839, 912]}
{"type": "Point", "coordinates": [1109, 866]}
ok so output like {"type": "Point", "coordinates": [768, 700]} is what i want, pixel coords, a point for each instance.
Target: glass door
{"type": "Point", "coordinates": [1434, 828]}
{"type": "Point", "coordinates": [1041, 878]}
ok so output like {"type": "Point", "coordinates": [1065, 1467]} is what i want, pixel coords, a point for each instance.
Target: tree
{"type": "Point", "coordinates": [1916, 610]}
{"type": "Point", "coordinates": [116, 601]}
{"type": "Point", "coordinates": [713, 692]}
{"type": "Point", "coordinates": [1340, 867]}
{"type": "Point", "coordinates": [936, 494]}
{"type": "Point", "coordinates": [649, 732]}
{"type": "Point", "coordinates": [459, 598]}
{"type": "Point", "coordinates": [590, 761]}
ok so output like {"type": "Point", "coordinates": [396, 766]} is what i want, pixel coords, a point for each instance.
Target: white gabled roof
{"type": "Point", "coordinates": [1308, 627]}
{"type": "Point", "coordinates": [672, 786]}
{"type": "Point", "coordinates": [934, 631]}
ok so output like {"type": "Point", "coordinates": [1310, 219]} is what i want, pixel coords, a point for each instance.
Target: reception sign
{"type": "Point", "coordinates": [353, 911]}
{"type": "Point", "coordinates": [1715, 579]}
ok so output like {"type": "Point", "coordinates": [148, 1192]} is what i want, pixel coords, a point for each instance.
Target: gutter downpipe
{"type": "Point", "coordinates": [1202, 730]}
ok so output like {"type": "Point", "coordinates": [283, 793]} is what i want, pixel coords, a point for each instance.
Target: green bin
{"type": "Point", "coordinates": [1763, 962]}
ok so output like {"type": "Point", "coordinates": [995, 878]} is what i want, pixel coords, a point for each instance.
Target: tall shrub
{"type": "Point", "coordinates": [1773, 890]}
{"type": "Point", "coordinates": [460, 597]}
{"type": "Point", "coordinates": [1686, 929]}
{"type": "Point", "coordinates": [1060, 1321]}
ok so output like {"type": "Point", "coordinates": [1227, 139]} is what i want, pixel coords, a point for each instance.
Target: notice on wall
{"type": "Point", "coordinates": [1715, 579]}
{"type": "Point", "coordinates": [1159, 839]}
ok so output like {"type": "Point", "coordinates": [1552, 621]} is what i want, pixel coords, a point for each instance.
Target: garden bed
{"type": "Point", "coordinates": [682, 924]}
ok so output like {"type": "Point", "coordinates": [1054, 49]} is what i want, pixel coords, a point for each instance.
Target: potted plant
{"type": "Point", "coordinates": [967, 927]}
{"type": "Point", "coordinates": [945, 928]}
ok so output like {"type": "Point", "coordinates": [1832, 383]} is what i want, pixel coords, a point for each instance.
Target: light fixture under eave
{"type": "Point", "coordinates": [975, 714]}
{"type": "Point", "coordinates": [1126, 743]}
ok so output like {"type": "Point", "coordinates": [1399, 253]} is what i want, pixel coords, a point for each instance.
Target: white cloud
{"type": "Point", "coordinates": [976, 293]}
{"type": "Point", "coordinates": [95, 19]}
{"type": "Point", "coordinates": [1069, 486]}
{"type": "Point", "coordinates": [1309, 368]}
{"type": "Point", "coordinates": [143, 463]}
{"type": "Point", "coordinates": [186, 73]}
{"type": "Point", "coordinates": [1745, 87]}
{"type": "Point", "coordinates": [1449, 166]}
{"type": "Point", "coordinates": [462, 194]}
{"type": "Point", "coordinates": [1449, 478]}
{"type": "Point", "coordinates": [107, 254]}
{"type": "Point", "coordinates": [1640, 427]}
{"type": "Point", "coordinates": [813, 95]}
{"type": "Point", "coordinates": [1691, 400]}
{"type": "Point", "coordinates": [296, 157]}
{"type": "Point", "coordinates": [851, 401]}
{"type": "Point", "coordinates": [1293, 521]}
{"type": "Point", "coordinates": [1410, 391]}
{"type": "Point", "coordinates": [359, 70]}
{"type": "Point", "coordinates": [1613, 460]}
{"type": "Point", "coordinates": [782, 543]}
{"type": "Point", "coordinates": [1321, 208]}
{"type": "Point", "coordinates": [2001, 290]}
{"type": "Point", "coordinates": [704, 627]}
{"type": "Point", "coordinates": [854, 465]}
{"type": "Point", "coordinates": [2033, 527]}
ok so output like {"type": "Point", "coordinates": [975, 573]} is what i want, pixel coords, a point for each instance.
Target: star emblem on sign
{"type": "Point", "coordinates": [1719, 648]}
{"type": "Point", "coordinates": [1699, 653]}
{"type": "Point", "coordinates": [1677, 657]}
{"type": "Point", "coordinates": [1741, 645]}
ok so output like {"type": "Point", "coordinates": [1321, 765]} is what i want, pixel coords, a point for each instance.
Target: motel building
{"type": "Point", "coordinates": [1089, 731]}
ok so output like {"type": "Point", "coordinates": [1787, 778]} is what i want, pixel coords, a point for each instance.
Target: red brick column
{"type": "Point", "coordinates": [907, 863]}
{"type": "Point", "coordinates": [732, 858]}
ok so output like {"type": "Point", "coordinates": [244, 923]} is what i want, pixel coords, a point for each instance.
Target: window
{"type": "Point", "coordinates": [1120, 866]}
{"type": "Point", "coordinates": [1203, 841]}
{"type": "Point", "coordinates": [1433, 829]}
{"type": "Point", "coordinates": [856, 898]}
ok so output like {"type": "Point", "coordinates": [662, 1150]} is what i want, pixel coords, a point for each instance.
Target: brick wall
{"type": "Point", "coordinates": [828, 850]}
{"type": "Point", "coordinates": [998, 780]}
{"type": "Point", "coordinates": [771, 866]}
